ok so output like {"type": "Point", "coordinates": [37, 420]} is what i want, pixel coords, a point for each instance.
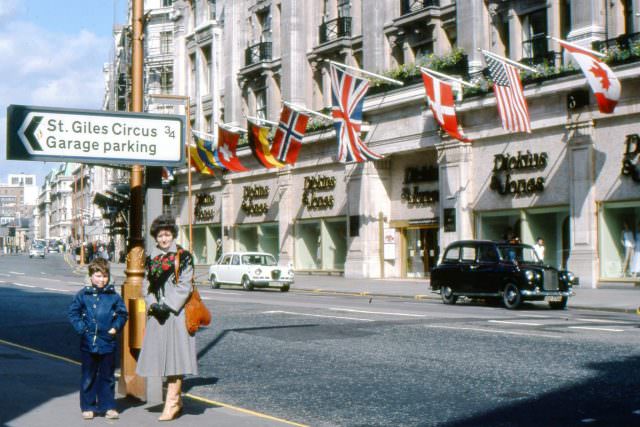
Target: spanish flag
{"type": "Point", "coordinates": [260, 148]}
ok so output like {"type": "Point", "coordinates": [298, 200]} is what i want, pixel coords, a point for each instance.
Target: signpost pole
{"type": "Point", "coordinates": [130, 383]}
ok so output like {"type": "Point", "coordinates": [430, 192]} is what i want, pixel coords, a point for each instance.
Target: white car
{"type": "Point", "coordinates": [250, 269]}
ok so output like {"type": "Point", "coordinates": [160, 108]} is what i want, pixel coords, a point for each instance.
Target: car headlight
{"type": "Point", "coordinates": [290, 273]}
{"type": "Point", "coordinates": [529, 275]}
{"type": "Point", "coordinates": [570, 276]}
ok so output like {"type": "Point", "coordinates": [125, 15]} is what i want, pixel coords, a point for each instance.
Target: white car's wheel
{"type": "Point", "coordinates": [213, 282]}
{"type": "Point", "coordinates": [246, 283]}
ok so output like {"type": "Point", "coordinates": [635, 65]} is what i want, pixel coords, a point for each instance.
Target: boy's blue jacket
{"type": "Point", "coordinates": [92, 313]}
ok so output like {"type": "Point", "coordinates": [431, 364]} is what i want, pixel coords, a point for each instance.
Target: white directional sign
{"type": "Point", "coordinates": [49, 134]}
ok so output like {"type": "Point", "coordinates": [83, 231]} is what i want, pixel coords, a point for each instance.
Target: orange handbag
{"type": "Point", "coordinates": [196, 314]}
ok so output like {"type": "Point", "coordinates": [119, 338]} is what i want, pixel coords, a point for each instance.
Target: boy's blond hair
{"type": "Point", "coordinates": [99, 264]}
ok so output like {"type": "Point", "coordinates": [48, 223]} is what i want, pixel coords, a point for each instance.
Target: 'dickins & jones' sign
{"type": "Point", "coordinates": [249, 194]}
{"type": "Point", "coordinates": [203, 210]}
{"type": "Point", "coordinates": [504, 165]}
{"type": "Point", "coordinates": [312, 184]}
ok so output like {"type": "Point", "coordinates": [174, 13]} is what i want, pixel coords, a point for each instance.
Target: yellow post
{"type": "Point", "coordinates": [130, 383]}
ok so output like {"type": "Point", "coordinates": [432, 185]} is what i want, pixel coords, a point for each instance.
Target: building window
{"type": "Point", "coordinates": [261, 103]}
{"type": "Point", "coordinates": [534, 36]}
{"type": "Point", "coordinates": [344, 8]}
{"type": "Point", "coordinates": [167, 3]}
{"type": "Point", "coordinates": [166, 42]}
{"type": "Point", "coordinates": [212, 10]}
{"type": "Point", "coordinates": [206, 53]}
{"type": "Point", "coordinates": [264, 21]}
{"type": "Point", "coordinates": [192, 75]}
{"type": "Point", "coordinates": [166, 80]}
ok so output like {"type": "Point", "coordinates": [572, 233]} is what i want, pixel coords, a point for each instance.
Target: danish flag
{"type": "Point", "coordinates": [440, 97]}
{"type": "Point", "coordinates": [347, 98]}
{"type": "Point", "coordinates": [603, 82]}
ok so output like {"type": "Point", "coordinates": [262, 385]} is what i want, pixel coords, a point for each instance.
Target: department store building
{"type": "Point", "coordinates": [574, 180]}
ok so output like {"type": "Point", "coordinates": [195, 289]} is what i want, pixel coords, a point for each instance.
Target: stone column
{"type": "Point", "coordinates": [368, 188]}
{"type": "Point", "coordinates": [296, 73]}
{"type": "Point", "coordinates": [583, 258]}
{"type": "Point", "coordinates": [471, 17]}
{"type": "Point", "coordinates": [455, 190]}
{"type": "Point", "coordinates": [234, 44]}
{"type": "Point", "coordinates": [373, 37]}
{"type": "Point", "coordinates": [286, 215]}
{"type": "Point", "coordinates": [587, 22]}
{"type": "Point", "coordinates": [227, 215]}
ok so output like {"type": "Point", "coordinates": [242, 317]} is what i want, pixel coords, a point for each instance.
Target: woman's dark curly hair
{"type": "Point", "coordinates": [164, 222]}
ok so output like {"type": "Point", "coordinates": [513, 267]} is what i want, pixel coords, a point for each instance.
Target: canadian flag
{"type": "Point", "coordinates": [440, 97]}
{"type": "Point", "coordinates": [603, 82]}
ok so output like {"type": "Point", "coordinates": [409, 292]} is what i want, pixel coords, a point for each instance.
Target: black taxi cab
{"type": "Point", "coordinates": [499, 270]}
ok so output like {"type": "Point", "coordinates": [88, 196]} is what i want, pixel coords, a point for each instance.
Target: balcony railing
{"type": "Point", "coordinates": [411, 6]}
{"type": "Point", "coordinates": [335, 29]}
{"type": "Point", "coordinates": [259, 52]}
{"type": "Point", "coordinates": [536, 51]}
{"type": "Point", "coordinates": [621, 42]}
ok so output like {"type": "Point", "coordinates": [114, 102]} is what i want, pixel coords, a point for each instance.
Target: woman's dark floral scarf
{"type": "Point", "coordinates": [161, 268]}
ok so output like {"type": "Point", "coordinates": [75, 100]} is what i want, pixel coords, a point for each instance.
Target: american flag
{"type": "Point", "coordinates": [288, 138]}
{"type": "Point", "coordinates": [509, 95]}
{"type": "Point", "coordinates": [347, 96]}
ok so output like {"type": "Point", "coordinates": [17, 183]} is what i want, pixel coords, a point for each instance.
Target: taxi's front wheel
{"type": "Point", "coordinates": [447, 295]}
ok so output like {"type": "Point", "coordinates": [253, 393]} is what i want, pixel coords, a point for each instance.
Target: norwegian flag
{"type": "Point", "coordinates": [288, 139]}
{"type": "Point", "coordinates": [509, 95]}
{"type": "Point", "coordinates": [440, 97]}
{"type": "Point", "coordinates": [347, 95]}
{"type": "Point", "coordinates": [603, 82]}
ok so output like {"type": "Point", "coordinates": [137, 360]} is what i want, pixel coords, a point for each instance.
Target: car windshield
{"type": "Point", "coordinates": [519, 253]}
{"type": "Point", "coordinates": [258, 260]}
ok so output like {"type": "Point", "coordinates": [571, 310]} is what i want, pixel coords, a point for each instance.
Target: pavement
{"type": "Point", "coordinates": [48, 384]}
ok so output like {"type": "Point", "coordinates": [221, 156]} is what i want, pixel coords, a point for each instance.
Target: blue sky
{"type": "Point", "coordinates": [53, 55]}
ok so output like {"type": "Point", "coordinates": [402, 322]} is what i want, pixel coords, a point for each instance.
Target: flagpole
{"type": "Point", "coordinates": [305, 109]}
{"type": "Point", "coordinates": [508, 61]}
{"type": "Point", "coordinates": [593, 52]}
{"type": "Point", "coordinates": [257, 119]}
{"type": "Point", "coordinates": [445, 76]}
{"type": "Point", "coordinates": [368, 73]}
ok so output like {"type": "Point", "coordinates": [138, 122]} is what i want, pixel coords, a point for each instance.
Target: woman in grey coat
{"type": "Point", "coordinates": [167, 349]}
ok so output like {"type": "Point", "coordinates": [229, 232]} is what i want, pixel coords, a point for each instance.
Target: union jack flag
{"type": "Point", "coordinates": [288, 138]}
{"type": "Point", "coordinates": [347, 95]}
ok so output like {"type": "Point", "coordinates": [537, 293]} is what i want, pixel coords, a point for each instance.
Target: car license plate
{"type": "Point", "coordinates": [554, 299]}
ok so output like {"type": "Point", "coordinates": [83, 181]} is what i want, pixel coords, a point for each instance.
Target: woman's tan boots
{"type": "Point", "coordinates": [173, 401]}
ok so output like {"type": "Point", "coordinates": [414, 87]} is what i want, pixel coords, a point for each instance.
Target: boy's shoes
{"type": "Point", "coordinates": [87, 415]}
{"type": "Point", "coordinates": [112, 414]}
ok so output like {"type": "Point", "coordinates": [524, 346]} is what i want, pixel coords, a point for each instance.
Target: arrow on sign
{"type": "Point", "coordinates": [29, 133]}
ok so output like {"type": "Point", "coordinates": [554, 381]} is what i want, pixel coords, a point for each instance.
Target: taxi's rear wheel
{"type": "Point", "coordinates": [284, 288]}
{"type": "Point", "coordinates": [511, 296]}
{"type": "Point", "coordinates": [447, 295]}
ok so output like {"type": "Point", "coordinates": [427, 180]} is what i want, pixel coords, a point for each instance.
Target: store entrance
{"type": "Point", "coordinates": [421, 251]}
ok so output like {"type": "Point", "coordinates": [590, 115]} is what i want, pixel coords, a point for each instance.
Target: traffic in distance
{"type": "Point", "coordinates": [513, 273]}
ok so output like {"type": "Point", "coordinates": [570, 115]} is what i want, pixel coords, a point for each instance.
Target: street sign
{"type": "Point", "coordinates": [90, 136]}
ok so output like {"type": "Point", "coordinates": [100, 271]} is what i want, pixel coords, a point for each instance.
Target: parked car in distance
{"type": "Point", "coordinates": [511, 272]}
{"type": "Point", "coordinates": [250, 269]}
{"type": "Point", "coordinates": [37, 251]}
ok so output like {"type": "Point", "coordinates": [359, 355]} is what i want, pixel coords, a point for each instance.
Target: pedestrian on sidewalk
{"type": "Point", "coordinates": [168, 350]}
{"type": "Point", "coordinates": [97, 313]}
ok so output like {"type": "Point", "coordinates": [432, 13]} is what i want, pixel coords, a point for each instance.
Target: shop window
{"type": "Point", "coordinates": [321, 244]}
{"type": "Point", "coordinates": [619, 233]}
{"type": "Point", "coordinates": [259, 238]}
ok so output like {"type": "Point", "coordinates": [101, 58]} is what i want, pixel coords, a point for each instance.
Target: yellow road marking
{"type": "Point", "coordinates": [189, 395]}
{"type": "Point", "coordinates": [245, 411]}
{"type": "Point", "coordinates": [44, 353]}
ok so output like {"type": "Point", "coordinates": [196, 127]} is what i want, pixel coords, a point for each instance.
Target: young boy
{"type": "Point", "coordinates": [97, 313]}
